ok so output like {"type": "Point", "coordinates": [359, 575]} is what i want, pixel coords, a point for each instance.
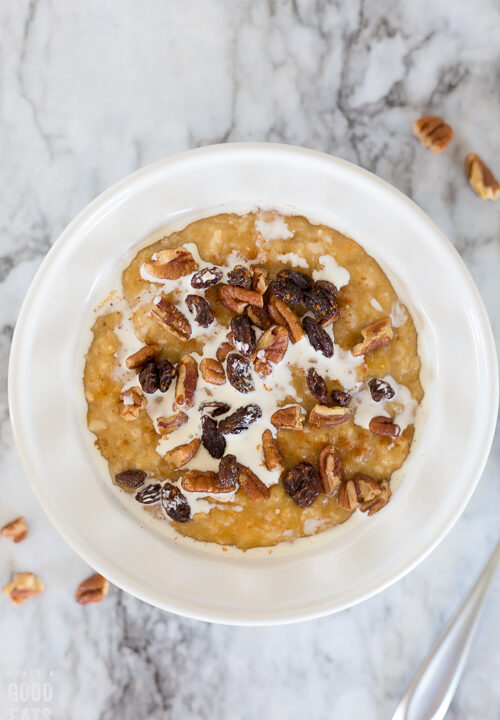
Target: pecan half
{"type": "Point", "coordinates": [481, 179]}
{"type": "Point", "coordinates": [323, 416]}
{"type": "Point", "coordinates": [379, 501]}
{"type": "Point", "coordinates": [171, 319]}
{"type": "Point", "coordinates": [281, 314]}
{"type": "Point", "coordinates": [204, 481]}
{"type": "Point", "coordinates": [375, 335]}
{"type": "Point", "coordinates": [187, 380]}
{"type": "Point", "coordinates": [302, 483]}
{"type": "Point", "coordinates": [271, 349]}
{"type": "Point", "coordinates": [433, 133]}
{"type": "Point", "coordinates": [236, 298]}
{"type": "Point", "coordinates": [182, 454]}
{"type": "Point", "coordinates": [331, 469]}
{"type": "Point", "coordinates": [16, 530]}
{"type": "Point", "coordinates": [171, 264]}
{"type": "Point", "coordinates": [22, 587]}
{"type": "Point", "coordinates": [131, 479]}
{"type": "Point", "coordinates": [260, 281]}
{"type": "Point", "coordinates": [212, 371]}
{"type": "Point", "coordinates": [132, 401]}
{"type": "Point", "coordinates": [92, 590]}
{"type": "Point", "coordinates": [289, 418]}
{"type": "Point", "coordinates": [272, 455]}
{"type": "Point", "coordinates": [258, 317]}
{"type": "Point", "coordinates": [167, 425]}
{"type": "Point", "coordinates": [380, 425]}
{"type": "Point", "coordinates": [142, 356]}
{"type": "Point", "coordinates": [360, 488]}
{"type": "Point", "coordinates": [252, 485]}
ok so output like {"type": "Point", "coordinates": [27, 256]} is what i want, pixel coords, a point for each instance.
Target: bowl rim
{"type": "Point", "coordinates": [91, 214]}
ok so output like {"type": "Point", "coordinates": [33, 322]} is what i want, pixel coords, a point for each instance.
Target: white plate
{"type": "Point", "coordinates": [45, 389]}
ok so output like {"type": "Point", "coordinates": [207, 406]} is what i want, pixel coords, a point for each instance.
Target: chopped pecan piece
{"type": "Point", "coordinates": [174, 503]}
{"type": "Point", "coordinates": [323, 416]}
{"type": "Point", "coordinates": [206, 278]}
{"type": "Point", "coordinates": [243, 335]}
{"type": "Point", "coordinates": [381, 425]}
{"type": "Point", "coordinates": [380, 390]}
{"type": "Point", "coordinates": [132, 401]}
{"type": "Point", "coordinates": [375, 335]}
{"type": "Point", "coordinates": [171, 319]}
{"type": "Point", "coordinates": [360, 488]}
{"type": "Point", "coordinates": [92, 590]}
{"type": "Point", "coordinates": [289, 418]}
{"type": "Point", "coordinates": [281, 314]}
{"type": "Point", "coordinates": [22, 587]}
{"type": "Point", "coordinates": [260, 281]}
{"type": "Point", "coordinates": [331, 469]}
{"type": "Point", "coordinates": [182, 454]}
{"type": "Point", "coordinates": [481, 179]}
{"type": "Point", "coordinates": [16, 530]}
{"type": "Point", "coordinates": [213, 440]}
{"type": "Point", "coordinates": [167, 425]}
{"type": "Point", "coordinates": [201, 310]}
{"type": "Point", "coordinates": [252, 485]}
{"type": "Point", "coordinates": [302, 483]}
{"type": "Point", "coordinates": [187, 380]}
{"type": "Point", "coordinates": [379, 501]}
{"type": "Point", "coordinates": [142, 356]}
{"type": "Point", "coordinates": [239, 373]}
{"type": "Point", "coordinates": [131, 479]}
{"type": "Point", "coordinates": [433, 133]}
{"type": "Point", "coordinates": [203, 481]}
{"type": "Point", "coordinates": [212, 371]}
{"type": "Point", "coordinates": [224, 349]}
{"type": "Point", "coordinates": [317, 386]}
{"type": "Point", "coordinates": [271, 350]}
{"type": "Point", "coordinates": [339, 397]}
{"type": "Point", "coordinates": [240, 276]}
{"type": "Point", "coordinates": [240, 420]}
{"type": "Point", "coordinates": [272, 455]}
{"type": "Point", "coordinates": [258, 317]}
{"type": "Point", "coordinates": [318, 337]}
{"type": "Point", "coordinates": [236, 298]}
{"type": "Point", "coordinates": [228, 472]}
{"type": "Point", "coordinates": [171, 264]}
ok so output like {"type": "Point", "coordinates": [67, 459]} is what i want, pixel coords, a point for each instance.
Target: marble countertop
{"type": "Point", "coordinates": [92, 91]}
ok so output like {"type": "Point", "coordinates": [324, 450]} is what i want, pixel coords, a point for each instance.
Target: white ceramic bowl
{"type": "Point", "coordinates": [45, 388]}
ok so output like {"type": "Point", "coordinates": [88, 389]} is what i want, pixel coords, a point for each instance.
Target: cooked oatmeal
{"type": "Point", "coordinates": [246, 413]}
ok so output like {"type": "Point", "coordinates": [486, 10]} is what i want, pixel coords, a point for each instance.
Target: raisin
{"type": "Point", "coordinates": [258, 316]}
{"type": "Point", "coordinates": [303, 281]}
{"type": "Point", "coordinates": [150, 495]}
{"type": "Point", "coordinates": [166, 372]}
{"type": "Point", "coordinates": [174, 503]}
{"type": "Point", "coordinates": [317, 386]}
{"type": "Point", "coordinates": [239, 373]}
{"type": "Point", "coordinates": [302, 483]}
{"type": "Point", "coordinates": [243, 335]}
{"type": "Point", "coordinates": [240, 276]}
{"type": "Point", "coordinates": [228, 471]}
{"type": "Point", "coordinates": [148, 378]}
{"type": "Point", "coordinates": [321, 300]}
{"type": "Point", "coordinates": [218, 408]}
{"type": "Point", "coordinates": [287, 291]}
{"type": "Point", "coordinates": [213, 441]}
{"type": "Point", "coordinates": [201, 310]}
{"type": "Point", "coordinates": [131, 479]}
{"type": "Point", "coordinates": [319, 338]}
{"type": "Point", "coordinates": [206, 277]}
{"type": "Point", "coordinates": [380, 390]}
{"type": "Point", "coordinates": [339, 397]}
{"type": "Point", "coordinates": [240, 420]}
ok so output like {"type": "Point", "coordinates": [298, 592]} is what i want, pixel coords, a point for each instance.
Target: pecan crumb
{"type": "Point", "coordinates": [142, 356]}
{"type": "Point", "coordinates": [92, 590]}
{"type": "Point", "coordinates": [16, 530]}
{"type": "Point", "coordinates": [433, 133]}
{"type": "Point", "coordinates": [182, 454]}
{"type": "Point", "coordinates": [22, 587]}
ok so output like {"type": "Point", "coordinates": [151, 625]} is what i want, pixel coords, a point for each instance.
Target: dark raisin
{"type": "Point", "coordinates": [303, 484]}
{"type": "Point", "coordinates": [228, 471]}
{"type": "Point", "coordinates": [243, 335]}
{"type": "Point", "coordinates": [217, 408]}
{"type": "Point", "coordinates": [211, 438]}
{"type": "Point", "coordinates": [201, 310]}
{"type": "Point", "coordinates": [302, 280]}
{"type": "Point", "coordinates": [240, 276]}
{"type": "Point", "coordinates": [287, 291]}
{"type": "Point", "coordinates": [206, 277]}
{"type": "Point", "coordinates": [317, 386]}
{"type": "Point", "coordinates": [240, 420]}
{"type": "Point", "coordinates": [339, 397]}
{"type": "Point", "coordinates": [239, 373]}
{"type": "Point", "coordinates": [174, 503]}
{"type": "Point", "coordinates": [166, 372]}
{"type": "Point", "coordinates": [258, 317]}
{"type": "Point", "coordinates": [150, 495]}
{"type": "Point", "coordinates": [321, 300]}
{"type": "Point", "coordinates": [380, 390]}
{"type": "Point", "coordinates": [318, 337]}
{"type": "Point", "coordinates": [131, 479]}
{"type": "Point", "coordinates": [148, 378]}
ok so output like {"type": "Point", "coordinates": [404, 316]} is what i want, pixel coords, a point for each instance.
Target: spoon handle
{"type": "Point", "coordinates": [434, 685]}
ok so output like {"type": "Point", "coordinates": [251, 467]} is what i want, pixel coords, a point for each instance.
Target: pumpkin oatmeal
{"type": "Point", "coordinates": [253, 379]}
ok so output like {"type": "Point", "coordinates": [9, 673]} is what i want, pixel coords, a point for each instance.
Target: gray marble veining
{"type": "Point", "coordinates": [92, 91]}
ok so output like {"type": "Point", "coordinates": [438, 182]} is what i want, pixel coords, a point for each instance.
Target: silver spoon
{"type": "Point", "coordinates": [430, 694]}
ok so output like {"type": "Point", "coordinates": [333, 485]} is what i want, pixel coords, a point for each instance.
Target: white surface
{"type": "Point", "coordinates": [321, 575]}
{"type": "Point", "coordinates": [91, 92]}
